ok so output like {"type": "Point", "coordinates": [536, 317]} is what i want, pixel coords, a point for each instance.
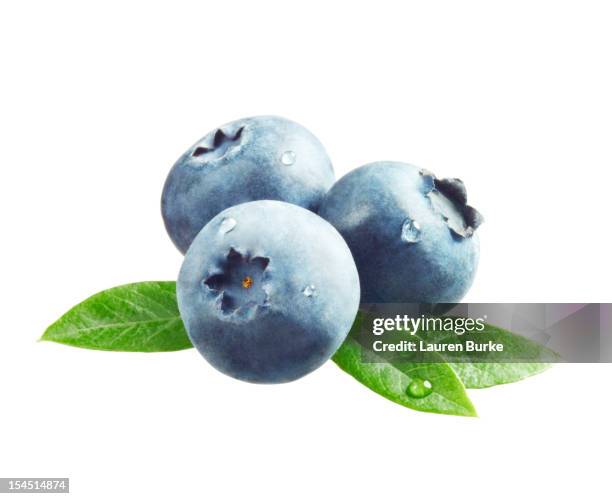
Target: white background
{"type": "Point", "coordinates": [98, 100]}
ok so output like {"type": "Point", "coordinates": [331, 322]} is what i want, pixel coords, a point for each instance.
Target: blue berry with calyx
{"type": "Point", "coordinates": [268, 291]}
{"type": "Point", "coordinates": [412, 234]}
{"type": "Point", "coordinates": [263, 157]}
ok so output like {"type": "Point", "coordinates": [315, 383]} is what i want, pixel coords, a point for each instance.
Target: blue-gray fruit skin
{"type": "Point", "coordinates": [411, 234]}
{"type": "Point", "coordinates": [263, 157]}
{"type": "Point", "coordinates": [268, 291]}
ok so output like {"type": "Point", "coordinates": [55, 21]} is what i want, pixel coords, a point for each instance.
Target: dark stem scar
{"type": "Point", "coordinates": [220, 139]}
{"type": "Point", "coordinates": [454, 191]}
{"type": "Point", "coordinates": [228, 284]}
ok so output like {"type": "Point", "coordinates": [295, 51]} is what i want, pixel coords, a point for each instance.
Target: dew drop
{"type": "Point", "coordinates": [411, 231]}
{"type": "Point", "coordinates": [309, 290]}
{"type": "Point", "coordinates": [419, 388]}
{"type": "Point", "coordinates": [287, 158]}
{"type": "Point", "coordinates": [227, 225]}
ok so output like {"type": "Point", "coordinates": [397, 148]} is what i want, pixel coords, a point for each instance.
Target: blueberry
{"type": "Point", "coordinates": [411, 234]}
{"type": "Point", "coordinates": [264, 157]}
{"type": "Point", "coordinates": [268, 291]}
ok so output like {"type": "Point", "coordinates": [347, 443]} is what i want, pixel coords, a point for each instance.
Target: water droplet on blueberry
{"type": "Point", "coordinates": [287, 158]}
{"type": "Point", "coordinates": [309, 290]}
{"type": "Point", "coordinates": [419, 388]}
{"type": "Point", "coordinates": [227, 225]}
{"type": "Point", "coordinates": [411, 231]}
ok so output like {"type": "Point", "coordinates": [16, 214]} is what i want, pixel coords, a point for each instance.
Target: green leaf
{"type": "Point", "coordinates": [391, 379]}
{"type": "Point", "coordinates": [144, 317]}
{"type": "Point", "coordinates": [138, 317]}
{"type": "Point", "coordinates": [485, 374]}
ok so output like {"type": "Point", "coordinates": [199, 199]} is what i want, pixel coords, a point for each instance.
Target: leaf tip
{"type": "Point", "coordinates": [472, 413]}
{"type": "Point", "coordinates": [468, 410]}
{"type": "Point", "coordinates": [46, 336]}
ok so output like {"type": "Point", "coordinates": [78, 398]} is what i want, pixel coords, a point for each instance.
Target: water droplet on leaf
{"type": "Point", "coordinates": [419, 388]}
